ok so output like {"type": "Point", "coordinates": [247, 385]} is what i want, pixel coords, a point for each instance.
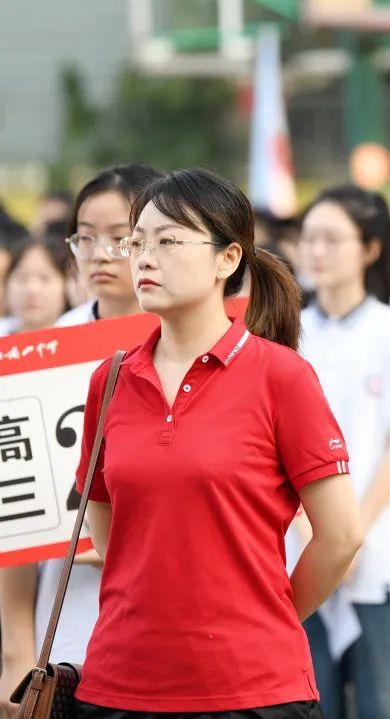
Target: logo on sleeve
{"type": "Point", "coordinates": [335, 444]}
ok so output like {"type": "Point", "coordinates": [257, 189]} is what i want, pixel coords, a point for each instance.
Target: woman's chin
{"type": "Point", "coordinates": [148, 304]}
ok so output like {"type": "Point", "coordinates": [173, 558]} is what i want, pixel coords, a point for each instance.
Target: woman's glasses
{"type": "Point", "coordinates": [133, 247]}
{"type": "Point", "coordinates": [84, 246]}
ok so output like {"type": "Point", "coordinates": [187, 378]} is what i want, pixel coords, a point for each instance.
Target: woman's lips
{"type": "Point", "coordinates": [144, 282]}
{"type": "Point", "coordinates": [102, 277]}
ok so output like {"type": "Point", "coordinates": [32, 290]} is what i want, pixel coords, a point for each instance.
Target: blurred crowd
{"type": "Point", "coordinates": [67, 269]}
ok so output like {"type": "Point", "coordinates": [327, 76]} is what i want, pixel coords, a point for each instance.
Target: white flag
{"type": "Point", "coordinates": [271, 181]}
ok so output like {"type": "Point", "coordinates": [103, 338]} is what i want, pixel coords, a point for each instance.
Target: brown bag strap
{"type": "Point", "coordinates": [64, 579]}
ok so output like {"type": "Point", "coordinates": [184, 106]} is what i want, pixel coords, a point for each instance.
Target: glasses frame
{"type": "Point", "coordinates": [177, 243]}
{"type": "Point", "coordinates": [96, 241]}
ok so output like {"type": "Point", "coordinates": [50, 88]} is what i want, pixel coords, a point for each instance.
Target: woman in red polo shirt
{"type": "Point", "coordinates": [214, 435]}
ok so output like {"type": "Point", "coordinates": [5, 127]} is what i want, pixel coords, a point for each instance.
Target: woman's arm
{"type": "Point", "coordinates": [99, 519]}
{"type": "Point", "coordinates": [333, 513]}
{"type": "Point", "coordinates": [17, 606]}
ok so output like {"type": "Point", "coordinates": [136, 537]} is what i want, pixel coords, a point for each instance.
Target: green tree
{"type": "Point", "coordinates": [168, 122]}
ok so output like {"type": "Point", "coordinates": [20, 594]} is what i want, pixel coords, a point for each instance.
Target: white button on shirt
{"type": "Point", "coordinates": [169, 418]}
{"type": "Point", "coordinates": [205, 359]}
{"type": "Point", "coordinates": [187, 388]}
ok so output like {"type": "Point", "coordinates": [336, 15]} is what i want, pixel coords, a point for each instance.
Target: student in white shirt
{"type": "Point", "coordinates": [345, 250]}
{"type": "Point", "coordinates": [100, 219]}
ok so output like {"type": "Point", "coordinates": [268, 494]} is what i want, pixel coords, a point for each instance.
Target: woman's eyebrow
{"type": "Point", "coordinates": [111, 227]}
{"type": "Point", "coordinates": [159, 228]}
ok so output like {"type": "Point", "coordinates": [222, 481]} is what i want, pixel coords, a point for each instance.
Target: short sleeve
{"type": "Point", "coordinates": [309, 440]}
{"type": "Point", "coordinates": [97, 385]}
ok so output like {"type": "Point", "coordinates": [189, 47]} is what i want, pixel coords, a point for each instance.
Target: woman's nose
{"type": "Point", "coordinates": [147, 258]}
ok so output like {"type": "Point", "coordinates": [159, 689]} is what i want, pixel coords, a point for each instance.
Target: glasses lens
{"type": "Point", "coordinates": [166, 245]}
{"type": "Point", "coordinates": [132, 247]}
{"type": "Point", "coordinates": [82, 246]}
{"type": "Point", "coordinates": [135, 246]}
{"type": "Point", "coordinates": [113, 247]}
{"type": "Point", "coordinates": [124, 248]}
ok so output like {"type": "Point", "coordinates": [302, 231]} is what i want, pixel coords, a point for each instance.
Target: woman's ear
{"type": "Point", "coordinates": [228, 260]}
{"type": "Point", "coordinates": [373, 251]}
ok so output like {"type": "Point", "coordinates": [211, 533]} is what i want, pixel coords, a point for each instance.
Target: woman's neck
{"type": "Point", "coordinates": [340, 301]}
{"type": "Point", "coordinates": [192, 333]}
{"type": "Point", "coordinates": [117, 306]}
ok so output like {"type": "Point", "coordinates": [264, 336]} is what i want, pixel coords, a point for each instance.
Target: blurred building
{"type": "Point", "coordinates": [37, 42]}
{"type": "Point", "coordinates": [191, 37]}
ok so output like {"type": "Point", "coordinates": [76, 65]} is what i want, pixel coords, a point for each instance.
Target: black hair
{"type": "Point", "coordinates": [369, 213]}
{"type": "Point", "coordinates": [127, 180]}
{"type": "Point", "coordinates": [195, 196]}
{"type": "Point", "coordinates": [61, 195]}
{"type": "Point", "coordinates": [56, 250]}
{"type": "Point", "coordinates": [11, 231]}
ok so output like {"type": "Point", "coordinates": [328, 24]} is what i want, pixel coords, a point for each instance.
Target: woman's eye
{"type": "Point", "coordinates": [135, 244]}
{"type": "Point", "coordinates": [167, 241]}
{"type": "Point", "coordinates": [84, 239]}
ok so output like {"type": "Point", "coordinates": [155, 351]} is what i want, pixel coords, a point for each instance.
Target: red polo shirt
{"type": "Point", "coordinates": [196, 609]}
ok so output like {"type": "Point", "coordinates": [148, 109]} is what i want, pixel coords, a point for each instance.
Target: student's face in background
{"type": "Point", "coordinates": [101, 216]}
{"type": "Point", "coordinates": [35, 291]}
{"type": "Point", "coordinates": [331, 251]}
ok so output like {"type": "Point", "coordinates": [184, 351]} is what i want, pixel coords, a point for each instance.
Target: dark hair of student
{"type": "Point", "coordinates": [127, 180]}
{"type": "Point", "coordinates": [369, 213]}
{"type": "Point", "coordinates": [56, 251]}
{"type": "Point", "coordinates": [60, 195]}
{"type": "Point", "coordinates": [10, 231]}
{"type": "Point", "coordinates": [277, 228]}
{"type": "Point", "coordinates": [197, 195]}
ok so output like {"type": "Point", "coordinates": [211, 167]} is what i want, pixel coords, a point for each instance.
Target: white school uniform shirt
{"type": "Point", "coordinates": [81, 605]}
{"type": "Point", "coordinates": [8, 325]}
{"type": "Point", "coordinates": [87, 312]}
{"type": "Point", "coordinates": [351, 356]}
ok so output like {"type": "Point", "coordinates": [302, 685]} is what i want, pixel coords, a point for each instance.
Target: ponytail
{"type": "Point", "coordinates": [275, 300]}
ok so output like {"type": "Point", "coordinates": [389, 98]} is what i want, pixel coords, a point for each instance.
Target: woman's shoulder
{"type": "Point", "coordinates": [100, 374]}
{"type": "Point", "coordinates": [378, 309]}
{"type": "Point", "coordinates": [280, 362]}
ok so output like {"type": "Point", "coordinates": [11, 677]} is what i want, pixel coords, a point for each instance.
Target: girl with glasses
{"type": "Point", "coordinates": [99, 221]}
{"type": "Point", "coordinates": [216, 431]}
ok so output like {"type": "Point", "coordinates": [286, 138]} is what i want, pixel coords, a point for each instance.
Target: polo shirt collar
{"type": "Point", "coordinates": [347, 319]}
{"type": "Point", "coordinates": [226, 350]}
{"type": "Point", "coordinates": [231, 343]}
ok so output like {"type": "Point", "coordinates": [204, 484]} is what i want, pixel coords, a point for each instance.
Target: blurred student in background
{"type": "Point", "coordinates": [100, 219]}
{"type": "Point", "coordinates": [35, 285]}
{"type": "Point", "coordinates": [10, 234]}
{"type": "Point", "coordinates": [277, 235]}
{"type": "Point", "coordinates": [345, 251]}
{"type": "Point", "coordinates": [55, 205]}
